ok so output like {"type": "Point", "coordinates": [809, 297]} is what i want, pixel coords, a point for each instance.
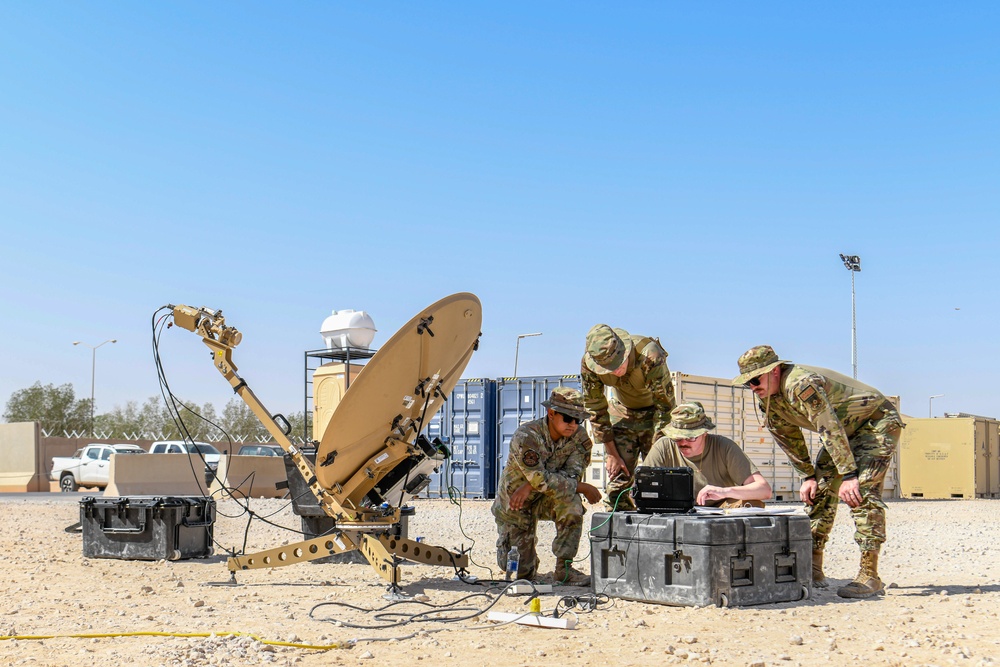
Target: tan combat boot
{"type": "Point", "coordinates": [867, 583]}
{"type": "Point", "coordinates": [566, 575]}
{"type": "Point", "coordinates": [819, 579]}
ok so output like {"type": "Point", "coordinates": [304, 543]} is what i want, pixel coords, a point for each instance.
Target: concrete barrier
{"type": "Point", "coordinates": [156, 475]}
{"type": "Point", "coordinates": [251, 476]}
{"type": "Point", "coordinates": [21, 467]}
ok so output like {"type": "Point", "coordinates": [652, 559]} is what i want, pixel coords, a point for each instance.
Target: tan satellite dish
{"type": "Point", "coordinates": [394, 396]}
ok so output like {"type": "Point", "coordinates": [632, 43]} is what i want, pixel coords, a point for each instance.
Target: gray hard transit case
{"type": "Point", "coordinates": [698, 559]}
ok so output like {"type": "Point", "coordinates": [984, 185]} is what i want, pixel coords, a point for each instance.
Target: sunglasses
{"type": "Point", "coordinates": [569, 419]}
{"type": "Point", "coordinates": [752, 382]}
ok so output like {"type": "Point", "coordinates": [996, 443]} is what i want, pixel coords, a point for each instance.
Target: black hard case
{"type": "Point", "coordinates": [698, 560]}
{"type": "Point", "coordinates": [147, 527]}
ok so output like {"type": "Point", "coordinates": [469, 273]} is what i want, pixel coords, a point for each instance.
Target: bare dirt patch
{"type": "Point", "coordinates": [942, 559]}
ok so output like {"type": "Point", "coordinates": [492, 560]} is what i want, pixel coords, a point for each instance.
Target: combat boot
{"type": "Point", "coordinates": [867, 583]}
{"type": "Point", "coordinates": [819, 579]}
{"type": "Point", "coordinates": [566, 575]}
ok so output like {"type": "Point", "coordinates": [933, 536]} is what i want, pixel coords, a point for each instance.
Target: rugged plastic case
{"type": "Point", "coordinates": [698, 560]}
{"type": "Point", "coordinates": [147, 527]}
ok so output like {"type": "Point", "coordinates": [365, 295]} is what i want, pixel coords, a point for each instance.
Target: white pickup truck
{"type": "Point", "coordinates": [89, 466]}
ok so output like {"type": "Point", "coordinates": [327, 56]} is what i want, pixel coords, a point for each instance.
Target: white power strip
{"type": "Point", "coordinates": [526, 589]}
{"type": "Point", "coordinates": [564, 623]}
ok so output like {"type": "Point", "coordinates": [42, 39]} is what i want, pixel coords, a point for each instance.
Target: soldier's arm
{"type": "Point", "coordinates": [810, 396]}
{"type": "Point", "coordinates": [579, 459]}
{"type": "Point", "coordinates": [597, 404]}
{"type": "Point", "coordinates": [789, 438]}
{"type": "Point", "coordinates": [525, 454]}
{"type": "Point", "coordinates": [653, 362]}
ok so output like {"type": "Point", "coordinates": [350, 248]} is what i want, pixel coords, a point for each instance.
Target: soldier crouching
{"type": "Point", "coordinates": [542, 481]}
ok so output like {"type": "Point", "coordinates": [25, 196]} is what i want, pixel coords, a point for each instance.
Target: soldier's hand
{"type": "Point", "coordinates": [590, 492]}
{"type": "Point", "coordinates": [710, 493]}
{"type": "Point", "coordinates": [519, 498]}
{"type": "Point", "coordinates": [807, 492]}
{"type": "Point", "coordinates": [850, 492]}
{"type": "Point", "coordinates": [615, 466]}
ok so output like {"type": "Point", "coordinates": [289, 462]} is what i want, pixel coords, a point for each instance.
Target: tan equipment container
{"type": "Point", "coordinates": [950, 457]}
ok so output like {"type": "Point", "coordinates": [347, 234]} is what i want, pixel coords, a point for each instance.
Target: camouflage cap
{"type": "Point", "coordinates": [607, 348]}
{"type": "Point", "coordinates": [756, 361]}
{"type": "Point", "coordinates": [567, 401]}
{"type": "Point", "coordinates": [688, 420]}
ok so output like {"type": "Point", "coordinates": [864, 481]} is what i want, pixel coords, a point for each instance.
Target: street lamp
{"type": "Point", "coordinates": [93, 369]}
{"type": "Point", "coordinates": [517, 348]}
{"type": "Point", "coordinates": [853, 264]}
{"type": "Point", "coordinates": [930, 404]}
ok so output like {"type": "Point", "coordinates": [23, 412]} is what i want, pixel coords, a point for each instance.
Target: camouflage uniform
{"type": "Point", "coordinates": [553, 468]}
{"type": "Point", "coordinates": [640, 403]}
{"type": "Point", "coordinates": [858, 430]}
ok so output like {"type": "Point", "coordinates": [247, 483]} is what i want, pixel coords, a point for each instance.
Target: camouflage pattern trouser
{"type": "Point", "coordinates": [519, 529]}
{"type": "Point", "coordinates": [633, 433]}
{"type": "Point", "coordinates": [873, 445]}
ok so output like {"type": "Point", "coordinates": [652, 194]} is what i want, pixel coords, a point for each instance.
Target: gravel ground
{"type": "Point", "coordinates": [941, 561]}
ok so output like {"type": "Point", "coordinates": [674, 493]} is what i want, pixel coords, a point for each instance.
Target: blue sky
{"type": "Point", "coordinates": [685, 170]}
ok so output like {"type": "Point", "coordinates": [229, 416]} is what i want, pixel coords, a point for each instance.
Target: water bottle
{"type": "Point", "coordinates": [513, 556]}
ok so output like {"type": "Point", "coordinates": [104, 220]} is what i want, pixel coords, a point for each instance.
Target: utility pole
{"type": "Point", "coordinates": [853, 264]}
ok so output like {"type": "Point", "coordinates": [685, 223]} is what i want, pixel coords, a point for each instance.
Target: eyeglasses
{"type": "Point", "coordinates": [569, 419]}
{"type": "Point", "coordinates": [752, 382]}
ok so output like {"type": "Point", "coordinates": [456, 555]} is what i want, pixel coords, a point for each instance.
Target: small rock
{"type": "Point", "coordinates": [199, 603]}
{"type": "Point", "coordinates": [640, 624]}
{"type": "Point", "coordinates": [541, 654]}
{"type": "Point", "coordinates": [690, 639]}
{"type": "Point", "coordinates": [367, 655]}
{"type": "Point", "coordinates": [795, 640]}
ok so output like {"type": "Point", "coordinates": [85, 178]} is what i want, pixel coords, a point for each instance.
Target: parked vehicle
{"type": "Point", "coordinates": [89, 466]}
{"type": "Point", "coordinates": [197, 450]}
{"type": "Point", "coordinates": [261, 450]}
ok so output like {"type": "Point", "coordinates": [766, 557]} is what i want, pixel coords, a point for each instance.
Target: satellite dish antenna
{"type": "Point", "coordinates": [399, 390]}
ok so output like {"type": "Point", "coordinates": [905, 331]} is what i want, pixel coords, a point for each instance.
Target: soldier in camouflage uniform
{"type": "Point", "coordinates": [724, 476]}
{"type": "Point", "coordinates": [858, 430]}
{"type": "Point", "coordinates": [642, 396]}
{"type": "Point", "coordinates": [542, 482]}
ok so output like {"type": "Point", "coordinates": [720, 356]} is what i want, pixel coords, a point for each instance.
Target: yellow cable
{"type": "Point", "coordinates": [325, 647]}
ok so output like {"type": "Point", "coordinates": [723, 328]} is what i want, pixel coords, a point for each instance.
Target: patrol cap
{"type": "Point", "coordinates": [567, 401]}
{"type": "Point", "coordinates": [607, 348]}
{"type": "Point", "coordinates": [756, 361]}
{"type": "Point", "coordinates": [688, 420]}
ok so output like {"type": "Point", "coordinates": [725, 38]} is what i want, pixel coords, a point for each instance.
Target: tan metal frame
{"type": "Point", "coordinates": [368, 530]}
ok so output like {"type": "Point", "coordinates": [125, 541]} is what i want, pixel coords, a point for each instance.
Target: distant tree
{"type": "Point", "coordinates": [120, 422]}
{"type": "Point", "coordinates": [239, 421]}
{"type": "Point", "coordinates": [301, 426]}
{"type": "Point", "coordinates": [55, 408]}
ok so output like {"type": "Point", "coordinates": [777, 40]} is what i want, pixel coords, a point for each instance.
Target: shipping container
{"type": "Point", "coordinates": [467, 423]}
{"type": "Point", "coordinates": [737, 417]}
{"type": "Point", "coordinates": [519, 400]}
{"type": "Point", "coordinates": [950, 457]}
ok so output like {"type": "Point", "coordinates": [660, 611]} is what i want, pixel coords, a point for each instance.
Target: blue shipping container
{"type": "Point", "coordinates": [468, 424]}
{"type": "Point", "coordinates": [519, 400]}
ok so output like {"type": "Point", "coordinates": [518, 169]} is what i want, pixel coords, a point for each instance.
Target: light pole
{"type": "Point", "coordinates": [517, 348]}
{"type": "Point", "coordinates": [930, 404]}
{"type": "Point", "coordinates": [93, 372]}
{"type": "Point", "coordinates": [853, 264]}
